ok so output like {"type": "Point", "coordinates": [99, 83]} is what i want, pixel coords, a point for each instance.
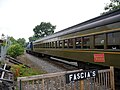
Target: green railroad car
{"type": "Point", "coordinates": [96, 41]}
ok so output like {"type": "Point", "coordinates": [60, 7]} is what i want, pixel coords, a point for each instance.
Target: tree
{"type": "Point", "coordinates": [44, 29]}
{"type": "Point", "coordinates": [21, 41]}
{"type": "Point", "coordinates": [113, 5]}
{"type": "Point", "coordinates": [32, 38]}
{"type": "Point", "coordinates": [13, 40]}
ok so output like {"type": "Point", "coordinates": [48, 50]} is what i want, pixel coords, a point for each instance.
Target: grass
{"type": "Point", "coordinates": [21, 70]}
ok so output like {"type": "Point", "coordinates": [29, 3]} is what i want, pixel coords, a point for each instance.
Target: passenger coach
{"type": "Point", "coordinates": [96, 41]}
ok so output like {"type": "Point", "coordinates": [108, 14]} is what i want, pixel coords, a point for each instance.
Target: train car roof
{"type": "Point", "coordinates": [95, 22]}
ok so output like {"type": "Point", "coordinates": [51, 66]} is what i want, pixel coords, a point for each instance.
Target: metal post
{"type": "Point", "coordinates": [3, 73]}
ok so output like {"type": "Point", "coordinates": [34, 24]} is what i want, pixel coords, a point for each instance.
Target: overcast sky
{"type": "Point", "coordinates": [19, 17]}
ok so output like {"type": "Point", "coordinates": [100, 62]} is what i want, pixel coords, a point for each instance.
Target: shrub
{"type": "Point", "coordinates": [21, 71]}
{"type": "Point", "coordinates": [15, 50]}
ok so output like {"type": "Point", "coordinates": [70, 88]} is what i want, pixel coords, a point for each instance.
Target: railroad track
{"type": "Point", "coordinates": [64, 63]}
{"type": "Point", "coordinates": [60, 63]}
{"type": "Point", "coordinates": [15, 61]}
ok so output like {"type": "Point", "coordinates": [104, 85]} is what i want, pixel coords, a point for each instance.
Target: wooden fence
{"type": "Point", "coordinates": [57, 81]}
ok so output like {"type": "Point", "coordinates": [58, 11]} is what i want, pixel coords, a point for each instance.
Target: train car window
{"type": "Point", "coordinates": [43, 45]}
{"type": "Point", "coordinates": [113, 40]}
{"type": "Point", "coordinates": [57, 44]}
{"type": "Point", "coordinates": [53, 44]}
{"type": "Point", "coordinates": [49, 44]}
{"type": "Point", "coordinates": [78, 42]}
{"type": "Point", "coordinates": [60, 44]}
{"type": "Point", "coordinates": [46, 45]}
{"type": "Point", "coordinates": [34, 46]}
{"type": "Point", "coordinates": [70, 43]}
{"type": "Point", "coordinates": [66, 43]}
{"type": "Point", "coordinates": [99, 41]}
{"type": "Point", "coordinates": [39, 45]}
{"type": "Point", "coordinates": [86, 42]}
{"type": "Point", "coordinates": [63, 43]}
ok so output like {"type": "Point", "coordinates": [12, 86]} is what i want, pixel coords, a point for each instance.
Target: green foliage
{"type": "Point", "coordinates": [113, 5]}
{"type": "Point", "coordinates": [21, 71]}
{"type": "Point", "coordinates": [32, 38]}
{"type": "Point", "coordinates": [13, 40]}
{"type": "Point", "coordinates": [15, 50]}
{"type": "Point", "coordinates": [4, 43]}
{"type": "Point", "coordinates": [44, 29]}
{"type": "Point", "coordinates": [21, 41]}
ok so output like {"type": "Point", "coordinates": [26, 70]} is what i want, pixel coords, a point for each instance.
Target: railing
{"type": "Point", "coordinates": [57, 81]}
{"type": "Point", "coordinates": [6, 78]}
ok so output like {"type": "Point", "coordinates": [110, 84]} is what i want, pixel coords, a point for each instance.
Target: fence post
{"type": "Point", "coordinates": [43, 84]}
{"type": "Point", "coordinates": [81, 84]}
{"type": "Point", "coordinates": [19, 82]}
{"type": "Point", "coordinates": [112, 77]}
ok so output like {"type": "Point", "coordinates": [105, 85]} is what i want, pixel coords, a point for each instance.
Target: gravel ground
{"type": "Point", "coordinates": [43, 64]}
